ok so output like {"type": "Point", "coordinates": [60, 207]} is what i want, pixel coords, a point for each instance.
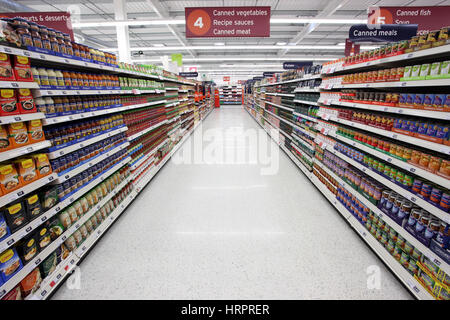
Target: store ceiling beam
{"type": "Point", "coordinates": [123, 41]}
{"type": "Point", "coordinates": [329, 10]}
{"type": "Point", "coordinates": [164, 14]}
{"type": "Point", "coordinates": [172, 21]}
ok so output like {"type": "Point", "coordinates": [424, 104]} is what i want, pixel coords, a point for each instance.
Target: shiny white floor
{"type": "Point", "coordinates": [224, 231]}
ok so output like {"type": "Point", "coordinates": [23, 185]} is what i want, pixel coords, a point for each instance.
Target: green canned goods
{"type": "Point", "coordinates": [381, 167]}
{"type": "Point", "coordinates": [408, 247]}
{"type": "Point", "coordinates": [416, 254]}
{"type": "Point", "coordinates": [400, 177]}
{"type": "Point", "coordinates": [408, 180]}
{"type": "Point", "coordinates": [404, 259]}
{"type": "Point", "coordinates": [412, 266]}
{"type": "Point", "coordinates": [390, 246]}
{"type": "Point", "coordinates": [393, 173]}
{"type": "Point", "coordinates": [400, 241]}
{"type": "Point", "coordinates": [387, 170]}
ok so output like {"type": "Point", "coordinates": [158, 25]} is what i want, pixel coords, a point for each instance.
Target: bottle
{"type": "Point", "coordinates": [43, 77]}
{"type": "Point", "coordinates": [52, 77]}
{"type": "Point", "coordinates": [68, 43]}
{"type": "Point", "coordinates": [46, 44]}
{"type": "Point", "coordinates": [35, 73]}
{"type": "Point", "coordinates": [59, 78]}
{"type": "Point", "coordinates": [50, 105]}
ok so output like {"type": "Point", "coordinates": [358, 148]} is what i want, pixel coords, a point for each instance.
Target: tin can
{"type": "Point", "coordinates": [425, 191]}
{"type": "Point", "coordinates": [436, 195]}
{"type": "Point", "coordinates": [445, 201]}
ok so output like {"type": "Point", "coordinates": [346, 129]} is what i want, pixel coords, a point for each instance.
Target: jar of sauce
{"type": "Point", "coordinates": [76, 49]}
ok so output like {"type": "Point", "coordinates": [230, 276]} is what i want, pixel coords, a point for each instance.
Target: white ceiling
{"type": "Point", "coordinates": [149, 35]}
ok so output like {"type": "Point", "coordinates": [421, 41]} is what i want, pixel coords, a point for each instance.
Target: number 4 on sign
{"type": "Point", "coordinates": [199, 22]}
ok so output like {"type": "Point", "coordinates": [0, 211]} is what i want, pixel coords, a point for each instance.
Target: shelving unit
{"type": "Point", "coordinates": [169, 103]}
{"type": "Point", "coordinates": [323, 135]}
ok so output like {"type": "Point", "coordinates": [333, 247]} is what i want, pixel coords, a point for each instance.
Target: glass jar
{"type": "Point", "coordinates": [76, 49]}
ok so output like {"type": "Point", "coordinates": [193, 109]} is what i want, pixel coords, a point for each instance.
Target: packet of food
{"type": "Point", "coordinates": [10, 264]}
{"type": "Point", "coordinates": [35, 131]}
{"type": "Point", "coordinates": [18, 134]}
{"type": "Point", "coordinates": [22, 69]}
{"type": "Point", "coordinates": [4, 140]}
{"type": "Point", "coordinates": [30, 284]}
{"type": "Point", "coordinates": [42, 164]}
{"type": "Point", "coordinates": [25, 101]}
{"type": "Point", "coordinates": [33, 206]}
{"type": "Point", "coordinates": [27, 170]}
{"type": "Point", "coordinates": [9, 178]}
{"type": "Point", "coordinates": [8, 102]}
{"type": "Point", "coordinates": [6, 73]}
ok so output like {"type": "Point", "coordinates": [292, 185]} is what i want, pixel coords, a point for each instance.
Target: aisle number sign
{"type": "Point", "coordinates": [223, 22]}
{"type": "Point", "coordinates": [226, 78]}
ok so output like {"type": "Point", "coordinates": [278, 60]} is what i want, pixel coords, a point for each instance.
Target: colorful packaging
{"type": "Point", "coordinates": [26, 169]}
{"type": "Point", "coordinates": [435, 69]}
{"type": "Point", "coordinates": [4, 140]}
{"type": "Point", "coordinates": [35, 131]}
{"type": "Point", "coordinates": [22, 69]}
{"type": "Point", "coordinates": [42, 164]}
{"type": "Point", "coordinates": [30, 284]}
{"type": "Point", "coordinates": [9, 178]}
{"type": "Point", "coordinates": [13, 295]}
{"type": "Point", "coordinates": [424, 70]}
{"type": "Point", "coordinates": [42, 237]}
{"type": "Point", "coordinates": [27, 249]}
{"type": "Point", "coordinates": [15, 215]}
{"type": "Point", "coordinates": [10, 264]}
{"type": "Point", "coordinates": [18, 134]}
{"type": "Point", "coordinates": [6, 73]}
{"type": "Point", "coordinates": [4, 229]}
{"type": "Point", "coordinates": [33, 206]}
{"type": "Point", "coordinates": [25, 101]}
{"type": "Point", "coordinates": [8, 102]}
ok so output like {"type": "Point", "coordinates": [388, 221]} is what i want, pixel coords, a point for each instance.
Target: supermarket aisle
{"type": "Point", "coordinates": [229, 232]}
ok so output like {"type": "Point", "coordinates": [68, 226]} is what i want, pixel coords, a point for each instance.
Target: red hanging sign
{"type": "Point", "coordinates": [223, 22]}
{"type": "Point", "coordinates": [59, 21]}
{"type": "Point", "coordinates": [427, 18]}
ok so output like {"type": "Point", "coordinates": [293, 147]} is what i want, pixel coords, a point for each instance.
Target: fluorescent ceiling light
{"type": "Point", "coordinates": [159, 45]}
{"type": "Point", "coordinates": [298, 20]}
{"type": "Point", "coordinates": [248, 59]}
{"type": "Point", "coordinates": [219, 43]}
{"type": "Point", "coordinates": [281, 43]}
{"type": "Point", "coordinates": [247, 47]}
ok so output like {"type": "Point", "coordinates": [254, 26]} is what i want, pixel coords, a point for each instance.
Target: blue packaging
{"type": "Point", "coordinates": [4, 229]}
{"type": "Point", "coordinates": [10, 264]}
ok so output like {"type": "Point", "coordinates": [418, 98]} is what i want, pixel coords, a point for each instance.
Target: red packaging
{"type": "Point", "coordinates": [8, 102]}
{"type": "Point", "coordinates": [6, 73]}
{"type": "Point", "coordinates": [25, 101]}
{"type": "Point", "coordinates": [22, 69]}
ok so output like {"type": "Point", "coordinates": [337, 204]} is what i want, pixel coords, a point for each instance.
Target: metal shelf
{"type": "Point", "coordinates": [397, 110]}
{"type": "Point", "coordinates": [84, 143]}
